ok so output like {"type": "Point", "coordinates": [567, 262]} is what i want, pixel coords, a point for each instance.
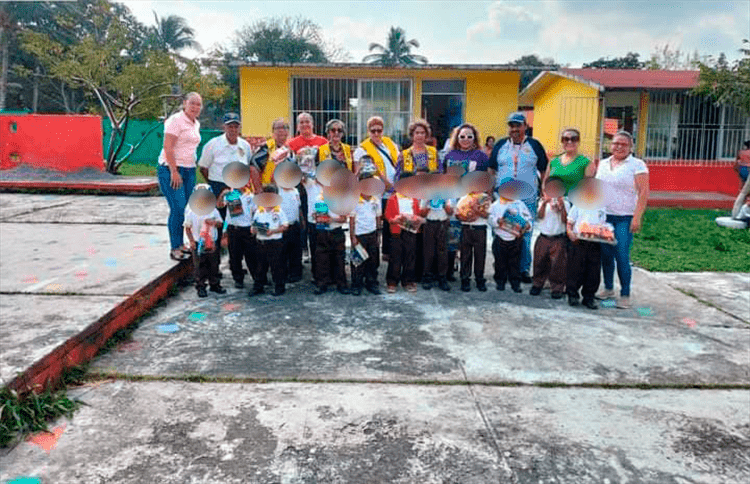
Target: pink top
{"type": "Point", "coordinates": [188, 138]}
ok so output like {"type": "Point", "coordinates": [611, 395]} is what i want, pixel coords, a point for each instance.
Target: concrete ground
{"type": "Point", "coordinates": [431, 387]}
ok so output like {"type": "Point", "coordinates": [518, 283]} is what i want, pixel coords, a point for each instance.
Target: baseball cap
{"type": "Point", "coordinates": [517, 117]}
{"type": "Point", "coordinates": [231, 118]}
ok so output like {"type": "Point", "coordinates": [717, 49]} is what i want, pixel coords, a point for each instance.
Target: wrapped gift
{"type": "Point", "coordinates": [410, 223]}
{"type": "Point", "coordinates": [603, 233]}
{"type": "Point", "coordinates": [322, 215]}
{"type": "Point", "coordinates": [205, 241]}
{"type": "Point", "coordinates": [234, 203]}
{"type": "Point", "coordinates": [358, 255]}
{"type": "Point", "coordinates": [261, 227]}
{"type": "Point", "coordinates": [473, 206]}
{"type": "Point", "coordinates": [512, 222]}
{"type": "Point", "coordinates": [454, 235]}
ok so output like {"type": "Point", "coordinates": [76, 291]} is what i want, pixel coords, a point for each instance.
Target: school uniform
{"type": "Point", "coordinates": [205, 261]}
{"type": "Point", "coordinates": [435, 248]}
{"type": "Point", "coordinates": [550, 250]}
{"type": "Point", "coordinates": [270, 247]}
{"type": "Point", "coordinates": [330, 249]}
{"type": "Point", "coordinates": [292, 253]}
{"type": "Point", "coordinates": [584, 257]}
{"type": "Point", "coordinates": [242, 242]}
{"type": "Point", "coordinates": [403, 245]}
{"type": "Point", "coordinates": [473, 251]}
{"type": "Point", "coordinates": [365, 217]}
{"type": "Point", "coordinates": [507, 244]}
{"type": "Point", "coordinates": [313, 190]}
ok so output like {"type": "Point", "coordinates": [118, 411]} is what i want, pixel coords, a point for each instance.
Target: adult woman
{"type": "Point", "coordinates": [742, 164]}
{"type": "Point", "coordinates": [420, 155]}
{"type": "Point", "coordinates": [489, 143]}
{"type": "Point", "coordinates": [384, 154]}
{"type": "Point", "coordinates": [571, 167]}
{"type": "Point", "coordinates": [278, 139]}
{"type": "Point", "coordinates": [627, 189]}
{"type": "Point", "coordinates": [465, 150]}
{"type": "Point", "coordinates": [335, 149]}
{"type": "Point", "coordinates": [176, 170]}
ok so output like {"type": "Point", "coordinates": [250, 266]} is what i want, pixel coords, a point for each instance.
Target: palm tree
{"type": "Point", "coordinates": [172, 33]}
{"type": "Point", "coordinates": [397, 52]}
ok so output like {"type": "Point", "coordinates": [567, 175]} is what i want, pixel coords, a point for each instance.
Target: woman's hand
{"type": "Point", "coordinates": [635, 225]}
{"type": "Point", "coordinates": [175, 179]}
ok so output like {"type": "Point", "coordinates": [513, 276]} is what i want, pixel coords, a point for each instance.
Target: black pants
{"type": "Point", "coordinates": [292, 255]}
{"type": "Point", "coordinates": [473, 249]}
{"type": "Point", "coordinates": [329, 258]}
{"type": "Point", "coordinates": [312, 236]}
{"type": "Point", "coordinates": [386, 232]}
{"type": "Point", "coordinates": [584, 265]}
{"type": "Point", "coordinates": [507, 255]}
{"type": "Point", "coordinates": [435, 250]}
{"type": "Point", "coordinates": [402, 259]}
{"type": "Point", "coordinates": [206, 267]}
{"type": "Point", "coordinates": [242, 245]}
{"type": "Point", "coordinates": [216, 188]}
{"type": "Point", "coordinates": [270, 255]}
{"type": "Point", "coordinates": [369, 268]}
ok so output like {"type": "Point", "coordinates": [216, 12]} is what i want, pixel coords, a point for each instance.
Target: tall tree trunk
{"type": "Point", "coordinates": [4, 41]}
{"type": "Point", "coordinates": [35, 94]}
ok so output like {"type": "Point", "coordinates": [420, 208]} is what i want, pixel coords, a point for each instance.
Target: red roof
{"type": "Point", "coordinates": [632, 78]}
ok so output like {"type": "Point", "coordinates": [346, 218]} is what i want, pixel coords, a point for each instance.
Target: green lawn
{"type": "Point", "coordinates": [137, 169]}
{"type": "Point", "coordinates": [688, 240]}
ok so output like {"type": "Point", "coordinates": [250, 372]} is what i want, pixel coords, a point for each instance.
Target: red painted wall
{"type": "Point", "coordinates": [710, 176]}
{"type": "Point", "coordinates": [53, 142]}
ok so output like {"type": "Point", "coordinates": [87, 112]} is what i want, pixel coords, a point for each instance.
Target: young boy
{"type": "Point", "coordinates": [550, 257]}
{"type": "Point", "coordinates": [202, 233]}
{"type": "Point", "coordinates": [402, 214]}
{"type": "Point", "coordinates": [437, 213]}
{"type": "Point", "coordinates": [269, 224]}
{"type": "Point", "coordinates": [291, 205]}
{"type": "Point", "coordinates": [510, 219]}
{"type": "Point", "coordinates": [242, 241]}
{"type": "Point", "coordinates": [364, 223]}
{"type": "Point", "coordinates": [473, 238]}
{"type": "Point", "coordinates": [584, 257]}
{"type": "Point", "coordinates": [330, 247]}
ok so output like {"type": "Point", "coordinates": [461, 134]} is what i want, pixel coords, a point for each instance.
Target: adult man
{"type": "Point", "coordinates": [306, 136]}
{"type": "Point", "coordinates": [520, 157]}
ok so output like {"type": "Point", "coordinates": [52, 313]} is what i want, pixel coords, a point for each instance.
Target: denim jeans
{"type": "Point", "coordinates": [619, 253]}
{"type": "Point", "coordinates": [531, 204]}
{"type": "Point", "coordinates": [177, 200]}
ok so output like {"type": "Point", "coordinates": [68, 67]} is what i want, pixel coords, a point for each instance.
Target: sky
{"type": "Point", "coordinates": [486, 32]}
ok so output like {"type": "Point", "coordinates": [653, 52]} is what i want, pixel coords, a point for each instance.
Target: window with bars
{"type": "Point", "coordinates": [353, 101]}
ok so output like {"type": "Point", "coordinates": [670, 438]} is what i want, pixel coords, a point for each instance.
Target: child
{"type": "Point", "coordinates": [363, 229]}
{"type": "Point", "coordinates": [584, 256]}
{"type": "Point", "coordinates": [313, 189]}
{"type": "Point", "coordinates": [202, 233]}
{"type": "Point", "coordinates": [330, 247]}
{"type": "Point", "coordinates": [435, 251]}
{"type": "Point", "coordinates": [550, 250]}
{"type": "Point", "coordinates": [472, 211]}
{"type": "Point", "coordinates": [242, 241]}
{"type": "Point", "coordinates": [269, 224]}
{"type": "Point", "coordinates": [402, 214]}
{"type": "Point", "coordinates": [510, 220]}
{"type": "Point", "coordinates": [291, 205]}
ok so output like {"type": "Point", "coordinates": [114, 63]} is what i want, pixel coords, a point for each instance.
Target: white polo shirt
{"type": "Point", "coordinates": [621, 193]}
{"type": "Point", "coordinates": [290, 204]}
{"type": "Point", "coordinates": [218, 153]}
{"type": "Point", "coordinates": [274, 217]}
{"type": "Point", "coordinates": [366, 214]}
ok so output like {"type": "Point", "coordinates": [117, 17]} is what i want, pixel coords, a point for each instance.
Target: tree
{"type": "Point", "coordinates": [397, 50]}
{"type": "Point", "coordinates": [630, 61]}
{"type": "Point", "coordinates": [528, 75]}
{"type": "Point", "coordinates": [727, 83]}
{"type": "Point", "coordinates": [172, 34]}
{"type": "Point", "coordinates": [284, 39]}
{"type": "Point", "coordinates": [670, 58]}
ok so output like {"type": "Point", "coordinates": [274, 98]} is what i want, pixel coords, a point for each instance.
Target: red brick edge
{"type": "Point", "coordinates": [100, 187]}
{"type": "Point", "coordinates": [81, 348]}
{"type": "Point", "coordinates": [687, 203]}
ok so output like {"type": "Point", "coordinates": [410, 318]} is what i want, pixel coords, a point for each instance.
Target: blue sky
{"type": "Point", "coordinates": [570, 32]}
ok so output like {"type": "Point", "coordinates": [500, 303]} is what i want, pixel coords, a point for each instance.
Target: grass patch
{"type": "Point", "coordinates": [21, 416]}
{"type": "Point", "coordinates": [688, 240]}
{"type": "Point", "coordinates": [138, 169]}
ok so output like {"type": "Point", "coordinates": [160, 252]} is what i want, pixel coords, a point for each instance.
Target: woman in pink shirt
{"type": "Point", "coordinates": [177, 167]}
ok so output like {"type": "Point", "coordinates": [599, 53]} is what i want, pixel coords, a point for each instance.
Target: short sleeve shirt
{"type": "Point", "coordinates": [498, 210]}
{"type": "Point", "coordinates": [570, 174]}
{"type": "Point", "coordinates": [552, 223]}
{"type": "Point", "coordinates": [274, 217]}
{"type": "Point", "coordinates": [366, 214]}
{"type": "Point", "coordinates": [516, 161]}
{"type": "Point", "coordinates": [299, 142]}
{"type": "Point", "coordinates": [248, 210]}
{"type": "Point", "coordinates": [290, 204]}
{"type": "Point", "coordinates": [218, 153]}
{"type": "Point", "coordinates": [579, 215]}
{"type": "Point", "coordinates": [622, 195]}
{"type": "Point", "coordinates": [473, 160]}
{"type": "Point", "coordinates": [194, 222]}
{"type": "Point", "coordinates": [188, 138]}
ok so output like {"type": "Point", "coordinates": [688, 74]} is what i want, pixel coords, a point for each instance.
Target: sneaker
{"type": "Point", "coordinates": [179, 255]}
{"type": "Point", "coordinates": [482, 286]}
{"type": "Point", "coordinates": [590, 303]}
{"type": "Point", "coordinates": [557, 295]}
{"type": "Point", "coordinates": [606, 294]}
{"type": "Point", "coordinates": [374, 290]}
{"type": "Point", "coordinates": [573, 301]}
{"type": "Point", "coordinates": [516, 289]}
{"type": "Point", "coordinates": [623, 303]}
{"type": "Point", "coordinates": [294, 279]}
{"type": "Point", "coordinates": [343, 290]}
{"type": "Point", "coordinates": [392, 288]}
{"type": "Point", "coordinates": [239, 285]}
{"type": "Point", "coordinates": [535, 291]}
{"type": "Point", "coordinates": [426, 286]}
{"type": "Point", "coordinates": [443, 285]}
{"type": "Point", "coordinates": [526, 278]}
{"type": "Point", "coordinates": [411, 287]}
{"type": "Point", "coordinates": [499, 287]}
{"type": "Point", "coordinates": [465, 286]}
{"type": "Point", "coordinates": [279, 291]}
{"type": "Point", "coordinates": [356, 291]}
{"type": "Point", "coordinates": [256, 291]}
{"type": "Point", "coordinates": [450, 278]}
{"type": "Point", "coordinates": [320, 290]}
{"type": "Point", "coordinates": [202, 292]}
{"type": "Point", "coordinates": [217, 289]}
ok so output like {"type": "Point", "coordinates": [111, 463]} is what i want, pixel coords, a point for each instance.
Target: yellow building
{"type": "Point", "coordinates": [667, 121]}
{"type": "Point", "coordinates": [445, 95]}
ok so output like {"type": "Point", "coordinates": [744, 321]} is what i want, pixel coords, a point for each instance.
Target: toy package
{"type": "Point", "coordinates": [603, 233]}
{"type": "Point", "coordinates": [234, 203]}
{"type": "Point", "coordinates": [512, 222]}
{"type": "Point", "coordinates": [454, 235]}
{"type": "Point", "coordinates": [473, 206]}
{"type": "Point", "coordinates": [357, 255]}
{"type": "Point", "coordinates": [261, 227]}
{"type": "Point", "coordinates": [410, 223]}
{"type": "Point", "coordinates": [322, 216]}
{"type": "Point", "coordinates": [205, 241]}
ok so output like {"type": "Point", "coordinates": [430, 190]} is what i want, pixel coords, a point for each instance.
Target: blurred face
{"type": "Point", "coordinates": [490, 142]}
{"type": "Point", "coordinates": [621, 147]}
{"type": "Point", "coordinates": [465, 138]}
{"type": "Point", "coordinates": [516, 131]}
{"type": "Point", "coordinates": [376, 133]}
{"type": "Point", "coordinates": [420, 135]}
{"type": "Point", "coordinates": [570, 141]}
{"type": "Point", "coordinates": [280, 134]}
{"type": "Point", "coordinates": [335, 133]}
{"type": "Point", "coordinates": [305, 126]}
{"type": "Point", "coordinates": [554, 189]}
{"type": "Point", "coordinates": [232, 131]}
{"type": "Point", "coordinates": [192, 107]}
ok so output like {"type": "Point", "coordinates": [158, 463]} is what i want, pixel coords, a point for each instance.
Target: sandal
{"type": "Point", "coordinates": [178, 255]}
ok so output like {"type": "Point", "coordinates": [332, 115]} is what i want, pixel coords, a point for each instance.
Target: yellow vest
{"type": "Point", "coordinates": [377, 157]}
{"type": "Point", "coordinates": [432, 163]}
{"type": "Point", "coordinates": [267, 175]}
{"type": "Point", "coordinates": [324, 152]}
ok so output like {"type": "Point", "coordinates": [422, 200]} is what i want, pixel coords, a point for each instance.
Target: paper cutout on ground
{"type": "Point", "coordinates": [26, 480]}
{"type": "Point", "coordinates": [167, 328]}
{"type": "Point", "coordinates": [110, 262]}
{"type": "Point", "coordinates": [230, 307]}
{"type": "Point", "coordinates": [644, 311]}
{"type": "Point", "coordinates": [139, 247]}
{"type": "Point", "coordinates": [29, 280]}
{"type": "Point", "coordinates": [91, 250]}
{"type": "Point", "coordinates": [47, 440]}
{"type": "Point", "coordinates": [608, 303]}
{"type": "Point", "coordinates": [197, 317]}
{"type": "Point", "coordinates": [691, 323]}
{"type": "Point", "coordinates": [81, 274]}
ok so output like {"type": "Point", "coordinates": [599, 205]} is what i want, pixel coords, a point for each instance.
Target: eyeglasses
{"type": "Point", "coordinates": [275, 128]}
{"type": "Point", "coordinates": [570, 139]}
{"type": "Point", "coordinates": [376, 130]}
{"type": "Point", "coordinates": [466, 136]}
{"type": "Point", "coordinates": [620, 144]}
{"type": "Point", "coordinates": [335, 130]}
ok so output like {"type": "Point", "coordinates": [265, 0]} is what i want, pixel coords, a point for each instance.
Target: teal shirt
{"type": "Point", "coordinates": [571, 173]}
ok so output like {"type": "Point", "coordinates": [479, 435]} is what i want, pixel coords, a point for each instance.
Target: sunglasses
{"type": "Point", "coordinates": [376, 130]}
{"type": "Point", "coordinates": [570, 139]}
{"type": "Point", "coordinates": [466, 136]}
{"type": "Point", "coordinates": [336, 130]}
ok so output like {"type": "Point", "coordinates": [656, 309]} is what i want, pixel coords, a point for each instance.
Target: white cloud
{"type": "Point", "coordinates": [502, 16]}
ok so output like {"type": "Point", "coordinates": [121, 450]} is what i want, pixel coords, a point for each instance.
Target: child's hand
{"type": "Point", "coordinates": [193, 245]}
{"type": "Point", "coordinates": [572, 236]}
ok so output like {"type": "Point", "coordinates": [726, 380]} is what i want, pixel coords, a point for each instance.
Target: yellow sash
{"type": "Point", "coordinates": [267, 175]}
{"type": "Point", "coordinates": [432, 164]}
{"type": "Point", "coordinates": [377, 156]}
{"type": "Point", "coordinates": [324, 152]}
